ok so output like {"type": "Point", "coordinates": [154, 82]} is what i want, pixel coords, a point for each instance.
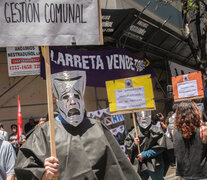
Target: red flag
{"type": "Point", "coordinates": [19, 122]}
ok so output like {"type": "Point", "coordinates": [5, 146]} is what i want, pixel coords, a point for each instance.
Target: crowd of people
{"type": "Point", "coordinates": [184, 131]}
{"type": "Point", "coordinates": [86, 149]}
{"type": "Point", "coordinates": [9, 146]}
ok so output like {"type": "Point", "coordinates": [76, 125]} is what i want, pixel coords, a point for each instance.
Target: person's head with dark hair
{"type": "Point", "coordinates": [14, 128]}
{"type": "Point", "coordinates": [157, 117]}
{"type": "Point", "coordinates": [32, 121]}
{"type": "Point", "coordinates": [187, 118]}
{"type": "Point", "coordinates": [1, 126]}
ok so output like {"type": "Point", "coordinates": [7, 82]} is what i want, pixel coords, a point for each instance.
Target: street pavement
{"type": "Point", "coordinates": [171, 174]}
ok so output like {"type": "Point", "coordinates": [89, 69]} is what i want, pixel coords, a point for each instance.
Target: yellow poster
{"type": "Point", "coordinates": [130, 94]}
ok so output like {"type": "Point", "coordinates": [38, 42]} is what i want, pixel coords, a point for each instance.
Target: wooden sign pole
{"type": "Point", "coordinates": [100, 24]}
{"type": "Point", "coordinates": [136, 132]}
{"type": "Point", "coordinates": [50, 103]}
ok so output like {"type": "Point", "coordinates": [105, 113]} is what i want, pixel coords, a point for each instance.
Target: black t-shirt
{"type": "Point", "coordinates": [191, 155]}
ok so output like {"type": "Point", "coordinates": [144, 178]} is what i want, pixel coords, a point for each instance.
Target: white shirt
{"type": "Point", "coordinates": [3, 135]}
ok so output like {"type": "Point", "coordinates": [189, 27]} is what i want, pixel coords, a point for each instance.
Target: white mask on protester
{"type": "Point", "coordinates": [14, 130]}
{"type": "Point", "coordinates": [69, 88]}
{"type": "Point", "coordinates": [144, 119]}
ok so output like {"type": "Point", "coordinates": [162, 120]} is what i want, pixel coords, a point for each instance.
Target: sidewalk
{"type": "Point", "coordinates": [171, 174]}
{"type": "Point", "coordinates": [173, 177]}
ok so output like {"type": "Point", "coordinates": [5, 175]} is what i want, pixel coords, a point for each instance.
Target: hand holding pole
{"type": "Point", "coordinates": [136, 132]}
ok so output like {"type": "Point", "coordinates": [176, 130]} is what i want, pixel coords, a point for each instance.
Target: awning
{"type": "Point", "coordinates": [132, 29]}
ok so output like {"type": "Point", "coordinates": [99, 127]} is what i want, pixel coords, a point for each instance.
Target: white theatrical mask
{"type": "Point", "coordinates": [144, 118]}
{"type": "Point", "coordinates": [69, 88]}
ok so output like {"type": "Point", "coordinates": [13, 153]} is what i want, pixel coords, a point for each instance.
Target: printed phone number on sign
{"type": "Point", "coordinates": [23, 67]}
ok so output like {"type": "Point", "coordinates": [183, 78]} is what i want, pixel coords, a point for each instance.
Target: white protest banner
{"type": "Point", "coordinates": [23, 61]}
{"type": "Point", "coordinates": [98, 113]}
{"type": "Point", "coordinates": [117, 118]}
{"type": "Point", "coordinates": [53, 22]}
{"type": "Point", "coordinates": [105, 116]}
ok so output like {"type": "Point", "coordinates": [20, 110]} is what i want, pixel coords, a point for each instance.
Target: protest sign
{"type": "Point", "coordinates": [114, 64]}
{"type": "Point", "coordinates": [42, 23]}
{"type": "Point", "coordinates": [120, 129]}
{"type": "Point", "coordinates": [105, 117]}
{"type": "Point", "coordinates": [130, 94]}
{"type": "Point", "coordinates": [23, 61]}
{"type": "Point", "coordinates": [99, 113]}
{"type": "Point", "coordinates": [188, 86]}
{"type": "Point", "coordinates": [54, 22]}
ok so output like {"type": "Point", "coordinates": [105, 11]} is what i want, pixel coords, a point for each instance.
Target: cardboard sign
{"type": "Point", "coordinates": [23, 61]}
{"type": "Point", "coordinates": [130, 94]}
{"type": "Point", "coordinates": [188, 86]}
{"type": "Point", "coordinates": [54, 22]}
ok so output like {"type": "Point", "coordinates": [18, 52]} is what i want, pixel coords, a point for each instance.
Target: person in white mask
{"type": "Point", "coordinates": [69, 90]}
{"type": "Point", "coordinates": [152, 142]}
{"type": "Point", "coordinates": [85, 148]}
{"type": "Point", "coordinates": [13, 138]}
{"type": "Point", "coordinates": [144, 119]}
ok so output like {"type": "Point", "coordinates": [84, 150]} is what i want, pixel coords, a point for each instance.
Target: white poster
{"type": "Point", "coordinates": [130, 98]}
{"type": "Point", "coordinates": [48, 22]}
{"type": "Point", "coordinates": [187, 89]}
{"type": "Point", "coordinates": [23, 61]}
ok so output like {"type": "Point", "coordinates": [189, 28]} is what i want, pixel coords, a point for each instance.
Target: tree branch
{"type": "Point", "coordinates": [198, 23]}
{"type": "Point", "coordinates": [202, 1]}
{"type": "Point", "coordinates": [203, 35]}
